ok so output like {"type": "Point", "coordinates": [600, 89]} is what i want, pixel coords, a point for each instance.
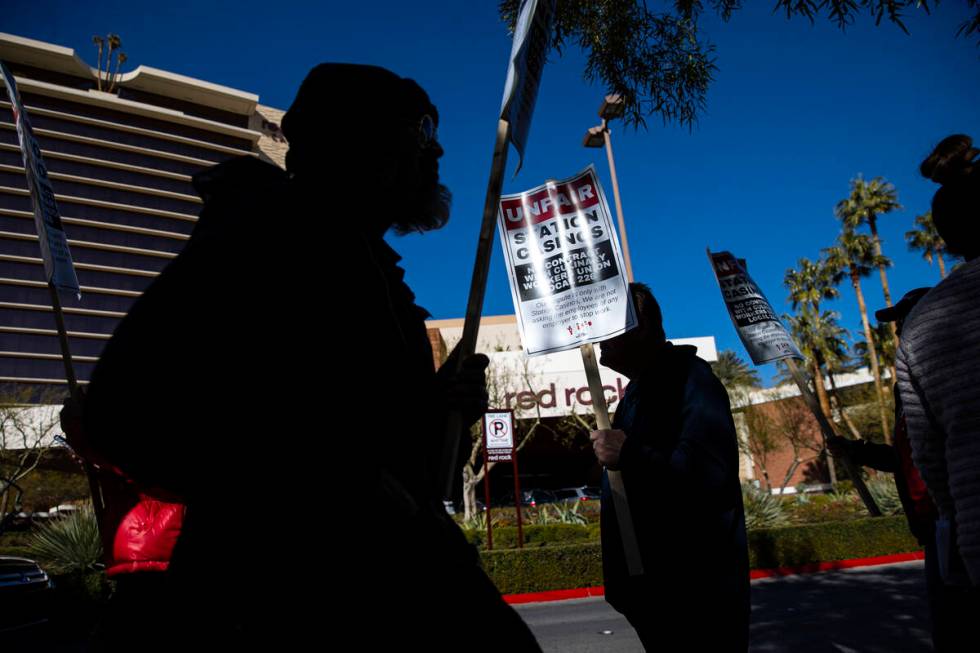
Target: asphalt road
{"type": "Point", "coordinates": [873, 609]}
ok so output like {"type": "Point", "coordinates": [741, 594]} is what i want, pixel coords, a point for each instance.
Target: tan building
{"type": "Point", "coordinates": [121, 165]}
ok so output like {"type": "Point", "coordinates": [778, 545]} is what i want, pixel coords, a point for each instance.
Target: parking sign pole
{"type": "Point", "coordinates": [517, 504]}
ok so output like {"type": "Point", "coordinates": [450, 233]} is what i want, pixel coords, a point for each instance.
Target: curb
{"type": "Point", "coordinates": [755, 574]}
{"type": "Point", "coordinates": [835, 565]}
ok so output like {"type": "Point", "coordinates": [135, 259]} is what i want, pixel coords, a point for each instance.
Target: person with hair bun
{"type": "Point", "coordinates": [938, 367]}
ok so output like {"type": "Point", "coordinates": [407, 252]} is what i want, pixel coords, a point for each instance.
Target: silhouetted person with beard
{"type": "Point", "coordinates": [278, 378]}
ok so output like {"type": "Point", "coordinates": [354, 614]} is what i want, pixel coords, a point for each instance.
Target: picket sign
{"type": "Point", "coordinates": [565, 267]}
{"type": "Point", "coordinates": [766, 340]}
{"type": "Point", "coordinates": [532, 36]}
{"type": "Point", "coordinates": [58, 267]}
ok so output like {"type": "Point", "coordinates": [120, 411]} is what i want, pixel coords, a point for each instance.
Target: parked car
{"type": "Point", "coordinates": [25, 593]}
{"type": "Point", "coordinates": [538, 497]}
{"type": "Point", "coordinates": [62, 510]}
{"type": "Point", "coordinates": [573, 494]}
{"type": "Point", "coordinates": [568, 495]}
{"type": "Point", "coordinates": [591, 492]}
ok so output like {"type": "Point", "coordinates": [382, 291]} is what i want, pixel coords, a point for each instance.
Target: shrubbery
{"type": "Point", "coordinates": [885, 493]}
{"type": "Point", "coordinates": [818, 508]}
{"type": "Point", "coordinates": [809, 543]}
{"type": "Point", "coordinates": [762, 509]}
{"type": "Point", "coordinates": [68, 544]}
{"type": "Point", "coordinates": [535, 536]}
{"type": "Point", "coordinates": [566, 566]}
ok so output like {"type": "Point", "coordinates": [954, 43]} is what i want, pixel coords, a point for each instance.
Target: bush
{"type": "Point", "coordinates": [800, 545]}
{"type": "Point", "coordinates": [535, 535]}
{"type": "Point", "coordinates": [538, 569]}
{"type": "Point", "coordinates": [535, 570]}
{"type": "Point", "coordinates": [762, 508]}
{"type": "Point", "coordinates": [885, 494]}
{"type": "Point", "coordinates": [543, 514]}
{"type": "Point", "coordinates": [69, 544]}
{"type": "Point", "coordinates": [820, 508]}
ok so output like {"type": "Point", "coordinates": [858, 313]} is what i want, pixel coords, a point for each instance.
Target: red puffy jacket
{"type": "Point", "coordinates": [138, 531]}
{"type": "Point", "coordinates": [145, 537]}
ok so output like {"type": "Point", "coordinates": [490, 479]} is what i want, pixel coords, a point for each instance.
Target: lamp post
{"type": "Point", "coordinates": [612, 107]}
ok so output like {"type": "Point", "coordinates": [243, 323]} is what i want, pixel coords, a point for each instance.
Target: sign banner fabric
{"type": "Point", "coordinates": [764, 336]}
{"type": "Point", "coordinates": [532, 36]}
{"type": "Point", "coordinates": [58, 267]}
{"type": "Point", "coordinates": [565, 265]}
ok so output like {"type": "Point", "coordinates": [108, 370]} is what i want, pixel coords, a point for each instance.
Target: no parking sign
{"type": "Point", "coordinates": [499, 430]}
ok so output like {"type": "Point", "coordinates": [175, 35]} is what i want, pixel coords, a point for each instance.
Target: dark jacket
{"type": "Point", "coordinates": [680, 469]}
{"type": "Point", "coordinates": [281, 374]}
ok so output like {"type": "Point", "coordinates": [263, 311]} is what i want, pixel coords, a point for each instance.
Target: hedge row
{"type": "Point", "coordinates": [538, 569]}
{"type": "Point", "coordinates": [799, 545]}
{"type": "Point", "coordinates": [576, 558]}
{"type": "Point", "coordinates": [505, 537]}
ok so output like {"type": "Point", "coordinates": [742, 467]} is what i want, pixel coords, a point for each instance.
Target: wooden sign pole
{"type": "Point", "coordinates": [474, 306]}
{"type": "Point", "coordinates": [828, 431]}
{"type": "Point", "coordinates": [627, 534]}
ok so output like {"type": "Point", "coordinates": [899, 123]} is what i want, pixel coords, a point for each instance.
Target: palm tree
{"type": "Point", "coordinates": [735, 374]}
{"type": "Point", "coordinates": [100, 43]}
{"type": "Point", "coordinates": [855, 256]}
{"type": "Point", "coordinates": [120, 60]}
{"type": "Point", "coordinates": [884, 347]}
{"type": "Point", "coordinates": [822, 342]}
{"type": "Point", "coordinates": [927, 240]}
{"type": "Point", "coordinates": [812, 283]}
{"type": "Point", "coordinates": [868, 200]}
{"type": "Point", "coordinates": [837, 359]}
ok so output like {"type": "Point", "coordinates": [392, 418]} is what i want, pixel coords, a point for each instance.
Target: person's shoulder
{"type": "Point", "coordinates": [960, 289]}
{"type": "Point", "coordinates": [687, 361]}
{"type": "Point", "coordinates": [696, 371]}
{"type": "Point", "coordinates": [237, 174]}
{"type": "Point", "coordinates": [701, 374]}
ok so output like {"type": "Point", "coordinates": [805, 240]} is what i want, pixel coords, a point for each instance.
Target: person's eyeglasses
{"type": "Point", "coordinates": [428, 134]}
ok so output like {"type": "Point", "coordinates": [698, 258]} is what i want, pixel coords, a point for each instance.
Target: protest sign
{"type": "Point", "coordinates": [764, 336]}
{"type": "Point", "coordinates": [58, 267]}
{"type": "Point", "coordinates": [532, 36]}
{"type": "Point", "coordinates": [59, 271]}
{"type": "Point", "coordinates": [766, 340]}
{"type": "Point", "coordinates": [565, 265]}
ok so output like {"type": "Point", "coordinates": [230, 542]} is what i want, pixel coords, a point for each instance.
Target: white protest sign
{"type": "Point", "coordinates": [565, 265]}
{"type": "Point", "coordinates": [532, 36]}
{"type": "Point", "coordinates": [764, 336]}
{"type": "Point", "coordinates": [58, 266]}
{"type": "Point", "coordinates": [498, 428]}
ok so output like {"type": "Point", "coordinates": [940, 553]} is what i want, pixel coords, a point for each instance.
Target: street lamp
{"type": "Point", "coordinates": [612, 107]}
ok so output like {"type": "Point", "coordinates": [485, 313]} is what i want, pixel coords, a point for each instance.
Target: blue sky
{"type": "Point", "coordinates": [795, 112]}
